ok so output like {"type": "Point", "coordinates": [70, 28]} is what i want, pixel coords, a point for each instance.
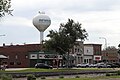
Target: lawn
{"type": "Point", "coordinates": [56, 70]}
{"type": "Point", "coordinates": [65, 70]}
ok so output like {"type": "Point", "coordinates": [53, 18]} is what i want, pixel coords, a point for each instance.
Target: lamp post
{"type": "Point", "coordinates": [105, 41]}
{"type": "Point", "coordinates": [105, 47]}
{"type": "Point", "coordinates": [2, 35]}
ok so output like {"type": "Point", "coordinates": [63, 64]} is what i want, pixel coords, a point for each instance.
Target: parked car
{"type": "Point", "coordinates": [103, 65]}
{"type": "Point", "coordinates": [118, 64]}
{"type": "Point", "coordinates": [82, 65]}
{"type": "Point", "coordinates": [93, 65]}
{"type": "Point", "coordinates": [69, 66]}
{"type": "Point", "coordinates": [113, 65]}
{"type": "Point", "coordinates": [42, 65]}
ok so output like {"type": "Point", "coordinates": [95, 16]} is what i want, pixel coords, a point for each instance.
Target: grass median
{"type": "Point", "coordinates": [56, 70]}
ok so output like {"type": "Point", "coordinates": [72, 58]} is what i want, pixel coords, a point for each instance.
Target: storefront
{"type": "Point", "coordinates": [50, 58]}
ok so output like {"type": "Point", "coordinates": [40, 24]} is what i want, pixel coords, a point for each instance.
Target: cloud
{"type": "Point", "coordinates": [99, 17]}
{"type": "Point", "coordinates": [14, 21]}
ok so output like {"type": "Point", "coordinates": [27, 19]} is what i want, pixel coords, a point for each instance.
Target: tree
{"type": "Point", "coordinates": [107, 51]}
{"type": "Point", "coordinates": [119, 49]}
{"type": "Point", "coordinates": [5, 7]}
{"type": "Point", "coordinates": [110, 48]}
{"type": "Point", "coordinates": [63, 40]}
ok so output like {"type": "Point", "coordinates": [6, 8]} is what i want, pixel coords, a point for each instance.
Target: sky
{"type": "Point", "coordinates": [100, 18]}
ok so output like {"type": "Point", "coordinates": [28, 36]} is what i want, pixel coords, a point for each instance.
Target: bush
{"type": "Point", "coordinates": [77, 76]}
{"type": "Point", "coordinates": [43, 77]}
{"type": "Point", "coordinates": [108, 74]}
{"type": "Point", "coordinates": [61, 76]}
{"type": "Point", "coordinates": [6, 77]}
{"type": "Point", "coordinates": [118, 72]}
{"type": "Point", "coordinates": [31, 77]}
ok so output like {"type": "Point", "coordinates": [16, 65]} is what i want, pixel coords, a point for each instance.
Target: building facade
{"type": "Point", "coordinates": [111, 56]}
{"type": "Point", "coordinates": [18, 55]}
{"type": "Point", "coordinates": [28, 55]}
{"type": "Point", "coordinates": [77, 52]}
{"type": "Point", "coordinates": [50, 58]}
{"type": "Point", "coordinates": [92, 53]}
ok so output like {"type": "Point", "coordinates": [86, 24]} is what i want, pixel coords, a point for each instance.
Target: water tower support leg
{"type": "Point", "coordinates": [41, 37]}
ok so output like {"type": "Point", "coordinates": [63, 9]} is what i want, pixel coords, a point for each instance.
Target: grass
{"type": "Point", "coordinates": [65, 69]}
{"type": "Point", "coordinates": [55, 70]}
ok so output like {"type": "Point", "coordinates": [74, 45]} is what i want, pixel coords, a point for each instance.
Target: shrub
{"type": "Point", "coordinates": [61, 76]}
{"type": "Point", "coordinates": [43, 77]}
{"type": "Point", "coordinates": [77, 76]}
{"type": "Point", "coordinates": [31, 77]}
{"type": "Point", "coordinates": [108, 74]}
{"type": "Point", "coordinates": [6, 77]}
{"type": "Point", "coordinates": [118, 72]}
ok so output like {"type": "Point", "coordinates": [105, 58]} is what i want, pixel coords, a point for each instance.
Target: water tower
{"type": "Point", "coordinates": [41, 22]}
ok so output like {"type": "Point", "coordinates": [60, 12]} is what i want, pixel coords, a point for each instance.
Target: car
{"type": "Point", "coordinates": [82, 65]}
{"type": "Point", "coordinates": [69, 66]}
{"type": "Point", "coordinates": [43, 65]}
{"type": "Point", "coordinates": [118, 64]}
{"type": "Point", "coordinates": [103, 65]}
{"type": "Point", "coordinates": [92, 65]}
{"type": "Point", "coordinates": [113, 65]}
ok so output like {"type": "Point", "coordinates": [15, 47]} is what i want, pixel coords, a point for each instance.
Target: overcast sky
{"type": "Point", "coordinates": [100, 18]}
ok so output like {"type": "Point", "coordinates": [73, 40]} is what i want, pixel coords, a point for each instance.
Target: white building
{"type": "Point", "coordinates": [92, 53]}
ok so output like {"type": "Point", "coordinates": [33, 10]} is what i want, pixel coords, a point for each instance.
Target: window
{"type": "Point", "coordinates": [60, 56]}
{"type": "Point", "coordinates": [33, 56]}
{"type": "Point", "coordinates": [40, 55]}
{"type": "Point", "coordinates": [85, 61]}
{"type": "Point", "coordinates": [75, 50]}
{"type": "Point", "coordinates": [4, 62]}
{"type": "Point", "coordinates": [18, 63]}
{"type": "Point", "coordinates": [78, 50]}
{"type": "Point", "coordinates": [87, 51]}
{"type": "Point", "coordinates": [11, 63]}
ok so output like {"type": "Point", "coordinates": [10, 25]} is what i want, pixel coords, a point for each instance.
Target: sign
{"type": "Point", "coordinates": [97, 58]}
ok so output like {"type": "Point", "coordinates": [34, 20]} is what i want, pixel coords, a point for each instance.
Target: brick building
{"type": "Point", "coordinates": [18, 54]}
{"type": "Point", "coordinates": [110, 56]}
{"type": "Point", "coordinates": [28, 55]}
{"type": "Point", "coordinates": [92, 53]}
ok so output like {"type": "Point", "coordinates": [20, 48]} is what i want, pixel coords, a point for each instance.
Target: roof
{"type": "Point", "coordinates": [93, 44]}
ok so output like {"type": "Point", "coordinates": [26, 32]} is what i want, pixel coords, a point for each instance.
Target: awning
{"type": "Point", "coordinates": [3, 57]}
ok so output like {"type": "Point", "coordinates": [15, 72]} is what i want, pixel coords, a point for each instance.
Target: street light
{"type": "Point", "coordinates": [2, 35]}
{"type": "Point", "coordinates": [105, 41]}
{"type": "Point", "coordinates": [105, 47]}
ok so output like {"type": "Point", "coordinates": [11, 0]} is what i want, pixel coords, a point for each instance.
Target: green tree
{"type": "Point", "coordinates": [111, 48]}
{"type": "Point", "coordinates": [61, 41]}
{"type": "Point", "coordinates": [119, 49]}
{"type": "Point", "coordinates": [5, 7]}
{"type": "Point", "coordinates": [64, 39]}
